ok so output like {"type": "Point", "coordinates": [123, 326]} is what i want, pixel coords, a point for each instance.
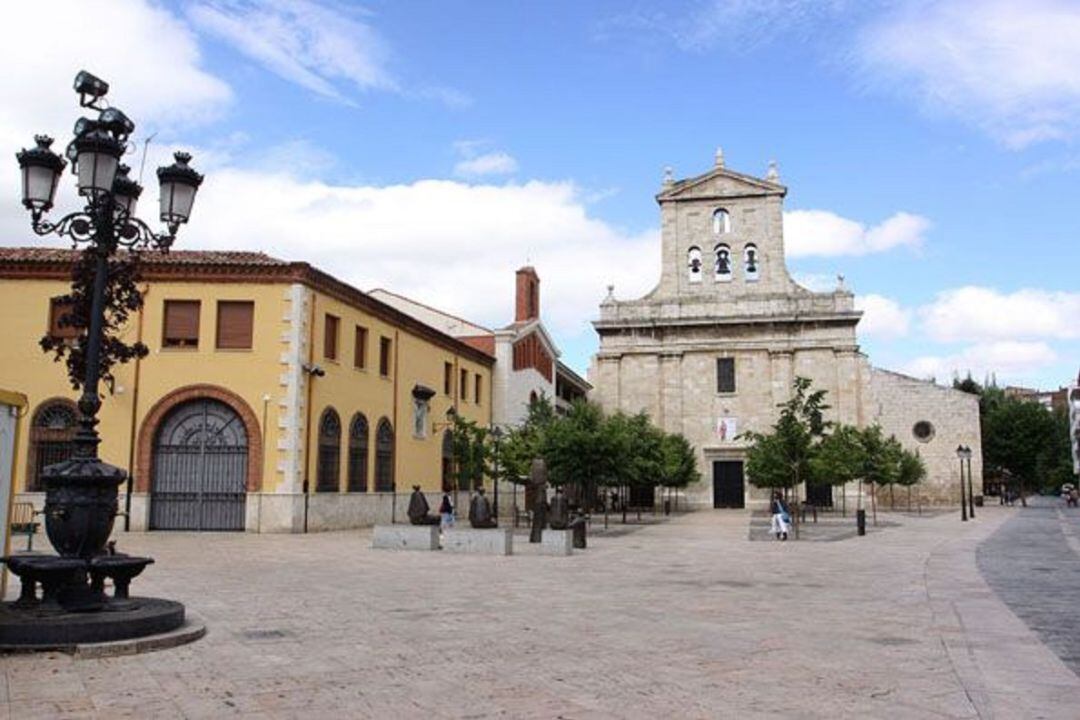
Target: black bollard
{"type": "Point", "coordinates": [860, 521]}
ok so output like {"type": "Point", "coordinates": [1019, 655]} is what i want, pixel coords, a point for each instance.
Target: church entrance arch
{"type": "Point", "coordinates": [729, 488]}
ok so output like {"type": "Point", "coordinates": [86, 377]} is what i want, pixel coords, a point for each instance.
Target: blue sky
{"type": "Point", "coordinates": [434, 147]}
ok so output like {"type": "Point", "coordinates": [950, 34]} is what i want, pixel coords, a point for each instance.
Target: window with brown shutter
{"type": "Point", "coordinates": [463, 386]}
{"type": "Point", "coordinates": [235, 319]}
{"type": "Point", "coordinates": [448, 379]}
{"type": "Point", "coordinates": [360, 348]}
{"type": "Point", "coordinates": [384, 356]}
{"type": "Point", "coordinates": [58, 310]}
{"type": "Point", "coordinates": [478, 381]}
{"type": "Point", "coordinates": [181, 324]}
{"type": "Point", "coordinates": [330, 337]}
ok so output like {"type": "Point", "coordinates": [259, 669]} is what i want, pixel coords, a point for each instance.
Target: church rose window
{"type": "Point", "coordinates": [923, 431]}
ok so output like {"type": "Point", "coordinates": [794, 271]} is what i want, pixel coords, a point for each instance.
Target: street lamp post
{"type": "Point", "coordinates": [971, 485]}
{"type": "Point", "coordinates": [963, 503]}
{"type": "Point", "coordinates": [81, 493]}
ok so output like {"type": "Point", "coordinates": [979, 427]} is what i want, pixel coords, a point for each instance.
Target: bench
{"type": "Point", "coordinates": [23, 523]}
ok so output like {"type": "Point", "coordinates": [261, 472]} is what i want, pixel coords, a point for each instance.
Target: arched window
{"type": "Point", "coordinates": [358, 447]}
{"type": "Point", "coordinates": [722, 262]}
{"type": "Point", "coordinates": [448, 460]}
{"type": "Point", "coordinates": [384, 457]}
{"type": "Point", "coordinates": [751, 262]}
{"type": "Point", "coordinates": [327, 477]}
{"type": "Point", "coordinates": [693, 264]}
{"type": "Point", "coordinates": [721, 222]}
{"type": "Point", "coordinates": [52, 436]}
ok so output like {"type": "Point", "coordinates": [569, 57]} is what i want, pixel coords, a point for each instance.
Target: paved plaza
{"type": "Point", "coordinates": [679, 619]}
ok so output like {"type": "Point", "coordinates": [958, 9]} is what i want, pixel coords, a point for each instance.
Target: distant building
{"type": "Point", "coordinates": [274, 394]}
{"type": "Point", "coordinates": [1052, 400]}
{"type": "Point", "coordinates": [527, 365]}
{"type": "Point", "coordinates": [714, 348]}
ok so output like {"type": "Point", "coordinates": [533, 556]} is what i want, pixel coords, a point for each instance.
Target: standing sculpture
{"type": "Point", "coordinates": [538, 488]}
{"type": "Point", "coordinates": [480, 515]}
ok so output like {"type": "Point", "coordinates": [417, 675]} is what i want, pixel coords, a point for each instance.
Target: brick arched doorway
{"type": "Point", "coordinates": [199, 453]}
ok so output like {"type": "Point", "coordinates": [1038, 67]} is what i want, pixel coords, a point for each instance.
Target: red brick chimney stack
{"type": "Point", "coordinates": [527, 300]}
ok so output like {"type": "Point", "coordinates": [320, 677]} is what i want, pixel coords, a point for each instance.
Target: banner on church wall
{"type": "Point", "coordinates": [726, 428]}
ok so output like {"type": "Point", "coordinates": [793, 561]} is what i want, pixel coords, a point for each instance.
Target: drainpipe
{"type": "Point", "coordinates": [134, 416]}
{"type": "Point", "coordinates": [307, 420]}
{"type": "Point", "coordinates": [397, 430]}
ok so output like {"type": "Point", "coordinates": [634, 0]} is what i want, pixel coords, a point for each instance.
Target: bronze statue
{"type": "Point", "coordinates": [480, 515]}
{"type": "Point", "coordinates": [538, 488]}
{"type": "Point", "coordinates": [419, 510]}
{"type": "Point", "coordinates": [559, 511]}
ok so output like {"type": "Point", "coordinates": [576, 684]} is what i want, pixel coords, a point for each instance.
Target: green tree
{"type": "Point", "coordinates": [881, 461]}
{"type": "Point", "coordinates": [468, 442]}
{"type": "Point", "coordinates": [782, 458]}
{"type": "Point", "coordinates": [1017, 440]}
{"type": "Point", "coordinates": [911, 471]}
{"type": "Point", "coordinates": [840, 458]}
{"type": "Point", "coordinates": [678, 464]}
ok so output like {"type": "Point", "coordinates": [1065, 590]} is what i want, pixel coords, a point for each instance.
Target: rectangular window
{"type": "Point", "coordinates": [725, 375]}
{"type": "Point", "coordinates": [330, 337]}
{"type": "Point", "coordinates": [478, 384]}
{"type": "Point", "coordinates": [58, 310]}
{"type": "Point", "coordinates": [181, 324]}
{"type": "Point", "coordinates": [448, 379]}
{"type": "Point", "coordinates": [464, 385]}
{"type": "Point", "coordinates": [384, 356]}
{"type": "Point", "coordinates": [235, 320]}
{"type": "Point", "coordinates": [360, 348]}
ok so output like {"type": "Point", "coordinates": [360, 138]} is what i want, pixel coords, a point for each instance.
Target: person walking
{"type": "Point", "coordinates": [446, 512]}
{"type": "Point", "coordinates": [781, 517]}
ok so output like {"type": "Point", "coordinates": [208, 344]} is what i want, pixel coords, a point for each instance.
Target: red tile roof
{"type": "Point", "coordinates": [174, 257]}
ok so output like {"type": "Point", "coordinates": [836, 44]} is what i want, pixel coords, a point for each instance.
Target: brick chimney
{"type": "Point", "coordinates": [527, 299]}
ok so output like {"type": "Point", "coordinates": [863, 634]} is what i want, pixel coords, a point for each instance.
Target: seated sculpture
{"type": "Point", "coordinates": [480, 515]}
{"type": "Point", "coordinates": [559, 511]}
{"type": "Point", "coordinates": [419, 510]}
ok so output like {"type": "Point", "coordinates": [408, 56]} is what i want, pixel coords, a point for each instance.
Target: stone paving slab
{"type": "Point", "coordinates": [680, 619]}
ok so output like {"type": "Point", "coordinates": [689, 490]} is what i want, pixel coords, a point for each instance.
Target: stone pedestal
{"type": "Point", "coordinates": [487, 541]}
{"type": "Point", "coordinates": [557, 542]}
{"type": "Point", "coordinates": [406, 537]}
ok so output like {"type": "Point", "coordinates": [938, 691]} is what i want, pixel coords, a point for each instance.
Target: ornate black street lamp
{"type": "Point", "coordinates": [81, 493]}
{"type": "Point", "coordinates": [963, 503]}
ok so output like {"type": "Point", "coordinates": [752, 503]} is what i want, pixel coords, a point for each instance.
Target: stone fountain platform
{"type": "Point", "coordinates": [139, 618]}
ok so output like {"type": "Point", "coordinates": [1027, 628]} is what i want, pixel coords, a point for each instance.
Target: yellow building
{"type": "Point", "coordinates": [275, 397]}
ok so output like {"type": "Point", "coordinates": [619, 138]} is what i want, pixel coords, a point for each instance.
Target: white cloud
{"type": "Point", "coordinates": [451, 244]}
{"type": "Point", "coordinates": [820, 232]}
{"type": "Point", "coordinates": [817, 282]}
{"type": "Point", "coordinates": [1009, 67]}
{"type": "Point", "coordinates": [882, 317]}
{"type": "Point", "coordinates": [979, 314]}
{"type": "Point", "coordinates": [495, 163]}
{"type": "Point", "coordinates": [312, 44]}
{"type": "Point", "coordinates": [1006, 358]}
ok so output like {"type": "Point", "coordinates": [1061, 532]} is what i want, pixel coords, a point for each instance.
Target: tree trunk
{"type": "Point", "coordinates": [843, 500]}
{"type": "Point", "coordinates": [892, 497]}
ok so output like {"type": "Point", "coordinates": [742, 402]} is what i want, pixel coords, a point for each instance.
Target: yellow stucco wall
{"type": "Point", "coordinates": [255, 375]}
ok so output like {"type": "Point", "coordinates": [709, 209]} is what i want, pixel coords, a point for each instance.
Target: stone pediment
{"type": "Point", "coordinates": [719, 183]}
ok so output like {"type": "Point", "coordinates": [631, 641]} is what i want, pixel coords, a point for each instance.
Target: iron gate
{"type": "Point", "coordinates": [200, 469]}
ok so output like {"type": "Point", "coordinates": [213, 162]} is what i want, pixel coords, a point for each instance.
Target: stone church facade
{"type": "Point", "coordinates": [714, 348]}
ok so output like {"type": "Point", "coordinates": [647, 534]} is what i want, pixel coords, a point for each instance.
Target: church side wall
{"type": "Point", "coordinates": [897, 402]}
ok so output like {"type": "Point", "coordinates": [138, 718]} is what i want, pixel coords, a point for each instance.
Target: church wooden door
{"type": "Point", "coordinates": [728, 488]}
